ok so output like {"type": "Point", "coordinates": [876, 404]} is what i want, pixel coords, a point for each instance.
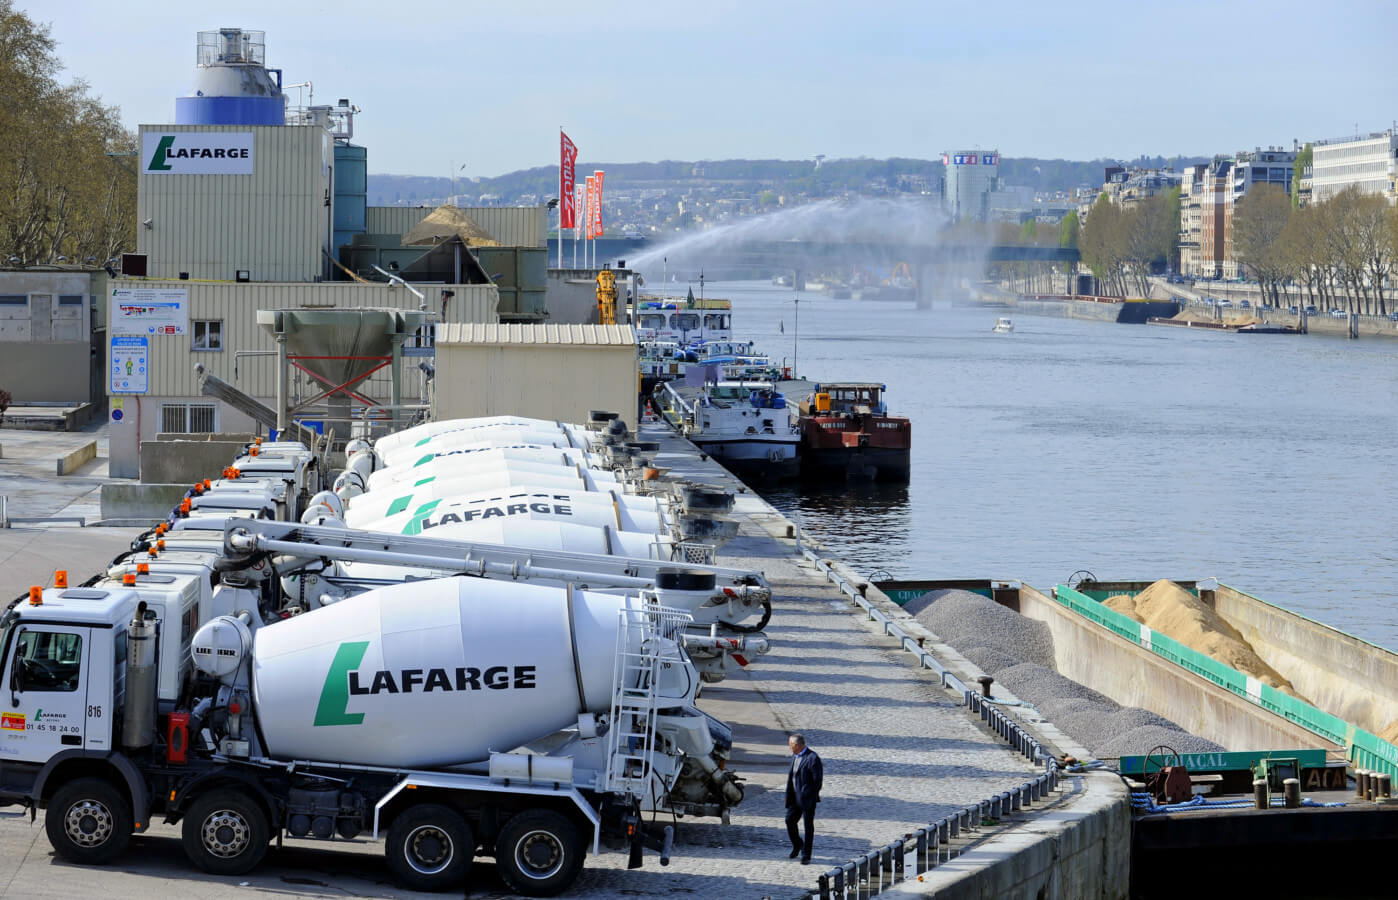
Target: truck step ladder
{"type": "Point", "coordinates": [639, 659]}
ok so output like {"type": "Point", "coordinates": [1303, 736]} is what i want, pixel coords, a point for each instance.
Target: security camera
{"type": "Point", "coordinates": [149, 223]}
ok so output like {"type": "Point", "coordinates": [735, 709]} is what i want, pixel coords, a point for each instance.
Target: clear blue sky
{"type": "Point", "coordinates": [449, 84]}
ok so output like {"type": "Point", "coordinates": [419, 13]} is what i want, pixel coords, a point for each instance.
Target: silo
{"type": "Point", "coordinates": [232, 85]}
{"type": "Point", "coordinates": [351, 192]}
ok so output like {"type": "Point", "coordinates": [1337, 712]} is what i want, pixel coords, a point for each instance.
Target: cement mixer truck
{"type": "Point", "coordinates": [416, 713]}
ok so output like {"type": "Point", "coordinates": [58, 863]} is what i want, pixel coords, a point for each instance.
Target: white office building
{"type": "Point", "coordinates": [972, 176]}
{"type": "Point", "coordinates": [1365, 162]}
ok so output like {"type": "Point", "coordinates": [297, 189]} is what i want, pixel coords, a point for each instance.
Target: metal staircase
{"type": "Point", "coordinates": [644, 641]}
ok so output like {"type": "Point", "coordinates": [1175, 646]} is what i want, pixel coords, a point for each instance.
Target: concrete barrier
{"type": "Point", "coordinates": [1080, 850]}
{"type": "Point", "coordinates": [139, 503]}
{"type": "Point", "coordinates": [71, 462]}
{"type": "Point", "coordinates": [173, 462]}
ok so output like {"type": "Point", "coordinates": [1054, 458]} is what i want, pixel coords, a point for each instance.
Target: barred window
{"type": "Point", "coordinates": [188, 418]}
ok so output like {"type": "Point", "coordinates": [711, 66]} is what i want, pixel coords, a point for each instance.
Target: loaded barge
{"type": "Point", "coordinates": [1303, 769]}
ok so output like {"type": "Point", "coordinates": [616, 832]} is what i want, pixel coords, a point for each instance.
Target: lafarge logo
{"type": "Point", "coordinates": [198, 153]}
{"type": "Point", "coordinates": [345, 680]}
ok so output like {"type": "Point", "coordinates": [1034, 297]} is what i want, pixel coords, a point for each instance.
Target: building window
{"type": "Point", "coordinates": [14, 299]}
{"type": "Point", "coordinates": [188, 418]}
{"type": "Point", "coordinates": [71, 300]}
{"type": "Point", "coordinates": [206, 334]}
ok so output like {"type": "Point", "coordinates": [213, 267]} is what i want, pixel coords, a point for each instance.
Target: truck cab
{"type": "Point", "coordinates": [63, 670]}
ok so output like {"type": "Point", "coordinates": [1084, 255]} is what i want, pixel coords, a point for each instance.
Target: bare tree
{"type": "Point", "coordinates": [1259, 219]}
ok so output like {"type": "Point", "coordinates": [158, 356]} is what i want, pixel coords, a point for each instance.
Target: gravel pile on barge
{"type": "Point", "coordinates": [1018, 652]}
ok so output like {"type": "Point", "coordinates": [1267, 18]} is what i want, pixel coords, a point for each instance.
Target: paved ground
{"type": "Point", "coordinates": [898, 754]}
{"type": "Point", "coordinates": [27, 474]}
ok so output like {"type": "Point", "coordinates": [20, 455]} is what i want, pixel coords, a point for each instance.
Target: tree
{"type": "Point", "coordinates": [1069, 230]}
{"type": "Point", "coordinates": [1259, 219]}
{"type": "Point", "coordinates": [1298, 168]}
{"type": "Point", "coordinates": [61, 193]}
{"type": "Point", "coordinates": [1103, 245]}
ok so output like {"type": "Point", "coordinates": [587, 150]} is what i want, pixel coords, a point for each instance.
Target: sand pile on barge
{"type": "Point", "coordinates": [1175, 612]}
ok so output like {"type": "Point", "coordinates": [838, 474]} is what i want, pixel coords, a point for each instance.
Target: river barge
{"type": "Point", "coordinates": [848, 433]}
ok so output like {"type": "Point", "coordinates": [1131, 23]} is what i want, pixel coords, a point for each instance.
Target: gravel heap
{"type": "Point", "coordinates": [1019, 652]}
{"type": "Point", "coordinates": [970, 622]}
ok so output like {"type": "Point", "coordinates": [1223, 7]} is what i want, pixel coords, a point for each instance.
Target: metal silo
{"type": "Point", "coordinates": [232, 85]}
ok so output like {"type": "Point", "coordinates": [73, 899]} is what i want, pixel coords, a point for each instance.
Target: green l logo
{"type": "Point", "coordinates": [334, 696]}
{"type": "Point", "coordinates": [157, 159]}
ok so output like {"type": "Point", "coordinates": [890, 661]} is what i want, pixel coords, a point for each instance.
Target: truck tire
{"type": "Point", "coordinates": [89, 821]}
{"type": "Point", "coordinates": [430, 847]}
{"type": "Point", "coordinates": [225, 832]}
{"type": "Point", "coordinates": [539, 853]}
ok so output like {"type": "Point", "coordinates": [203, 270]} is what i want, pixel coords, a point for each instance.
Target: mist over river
{"type": "Point", "coordinates": [1132, 451]}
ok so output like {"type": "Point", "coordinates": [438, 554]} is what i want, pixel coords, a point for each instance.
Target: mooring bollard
{"type": "Point", "coordinates": [1359, 784]}
{"type": "Point", "coordinates": [1259, 793]}
{"type": "Point", "coordinates": [1371, 784]}
{"type": "Point", "coordinates": [1291, 790]}
{"type": "Point", "coordinates": [1385, 785]}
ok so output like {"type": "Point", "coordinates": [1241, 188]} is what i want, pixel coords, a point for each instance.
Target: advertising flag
{"type": "Point", "coordinates": [597, 207]}
{"type": "Point", "coordinates": [579, 205]}
{"type": "Point", "coordinates": [587, 211]}
{"type": "Point", "coordinates": [567, 175]}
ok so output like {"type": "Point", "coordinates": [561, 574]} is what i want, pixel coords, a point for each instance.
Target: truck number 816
{"type": "Point", "coordinates": [94, 712]}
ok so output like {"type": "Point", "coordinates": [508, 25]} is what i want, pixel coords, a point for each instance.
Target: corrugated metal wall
{"type": "Point", "coordinates": [562, 381]}
{"type": "Point", "coordinates": [272, 223]}
{"type": "Point", "coordinates": [235, 305]}
{"type": "Point", "coordinates": [512, 226]}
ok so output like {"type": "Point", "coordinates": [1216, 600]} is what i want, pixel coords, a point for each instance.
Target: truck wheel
{"type": "Point", "coordinates": [225, 833]}
{"type": "Point", "coordinates": [89, 821]}
{"type": "Point", "coordinates": [430, 847]}
{"type": "Point", "coordinates": [539, 853]}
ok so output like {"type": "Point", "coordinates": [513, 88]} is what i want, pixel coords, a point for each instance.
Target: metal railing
{"type": "Point", "coordinates": [921, 850]}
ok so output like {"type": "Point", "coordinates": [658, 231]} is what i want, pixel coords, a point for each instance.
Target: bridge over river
{"type": "Point", "coordinates": [731, 258]}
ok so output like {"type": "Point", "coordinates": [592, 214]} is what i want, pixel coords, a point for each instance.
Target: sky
{"type": "Point", "coordinates": [481, 89]}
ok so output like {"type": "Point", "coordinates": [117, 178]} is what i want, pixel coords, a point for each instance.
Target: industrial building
{"type": "Point", "coordinates": [247, 205]}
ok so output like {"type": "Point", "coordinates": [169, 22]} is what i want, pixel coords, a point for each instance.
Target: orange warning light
{"type": "Point", "coordinates": [36, 595]}
{"type": "Point", "coordinates": [128, 579]}
{"type": "Point", "coordinates": [60, 578]}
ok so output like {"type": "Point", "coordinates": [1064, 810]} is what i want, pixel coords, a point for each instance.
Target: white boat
{"type": "Point", "coordinates": [1003, 326]}
{"type": "Point", "coordinates": [746, 426]}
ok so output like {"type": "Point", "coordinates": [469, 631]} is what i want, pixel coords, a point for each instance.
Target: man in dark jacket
{"type": "Point", "coordinates": [803, 783]}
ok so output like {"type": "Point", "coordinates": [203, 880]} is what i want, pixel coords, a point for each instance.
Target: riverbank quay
{"type": "Point", "coordinates": [857, 643]}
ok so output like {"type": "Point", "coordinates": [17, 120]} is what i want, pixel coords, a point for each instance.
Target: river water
{"type": "Point", "coordinates": [1132, 451]}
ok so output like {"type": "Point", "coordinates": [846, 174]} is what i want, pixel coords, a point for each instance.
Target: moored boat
{"type": "Point", "coordinates": [847, 432]}
{"type": "Point", "coordinates": [746, 426]}
{"type": "Point", "coordinates": [1003, 326]}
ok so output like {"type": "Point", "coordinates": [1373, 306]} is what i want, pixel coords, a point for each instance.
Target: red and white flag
{"type": "Point", "coordinates": [579, 204]}
{"type": "Point", "coordinates": [567, 175]}
{"type": "Point", "coordinates": [597, 206]}
{"type": "Point", "coordinates": [588, 216]}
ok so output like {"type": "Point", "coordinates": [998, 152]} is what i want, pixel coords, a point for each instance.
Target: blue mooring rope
{"type": "Point", "coordinates": [1147, 804]}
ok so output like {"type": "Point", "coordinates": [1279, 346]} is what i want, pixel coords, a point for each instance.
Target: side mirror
{"type": "Point", "coordinates": [17, 672]}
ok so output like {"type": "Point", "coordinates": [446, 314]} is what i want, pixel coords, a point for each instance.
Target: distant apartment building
{"type": "Point", "coordinates": [1127, 187]}
{"type": "Point", "coordinates": [1364, 162]}
{"type": "Point", "coordinates": [972, 176]}
{"type": "Point", "coordinates": [1191, 219]}
{"type": "Point", "coordinates": [1214, 190]}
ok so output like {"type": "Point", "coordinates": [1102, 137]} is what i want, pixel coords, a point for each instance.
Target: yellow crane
{"type": "Point", "coordinates": [606, 297]}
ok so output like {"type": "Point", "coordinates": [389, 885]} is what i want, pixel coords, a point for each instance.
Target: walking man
{"type": "Point", "coordinates": [803, 783]}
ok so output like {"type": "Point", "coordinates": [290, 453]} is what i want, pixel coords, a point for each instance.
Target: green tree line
{"type": "Point", "coordinates": [1340, 252]}
{"type": "Point", "coordinates": [62, 193]}
{"type": "Point", "coordinates": [1124, 245]}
